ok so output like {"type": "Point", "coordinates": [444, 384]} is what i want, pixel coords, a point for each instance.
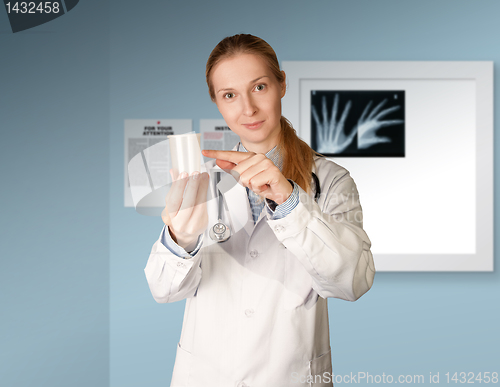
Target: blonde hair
{"type": "Point", "coordinates": [298, 157]}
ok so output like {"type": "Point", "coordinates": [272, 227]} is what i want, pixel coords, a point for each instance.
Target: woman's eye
{"type": "Point", "coordinates": [229, 95]}
{"type": "Point", "coordinates": [260, 87]}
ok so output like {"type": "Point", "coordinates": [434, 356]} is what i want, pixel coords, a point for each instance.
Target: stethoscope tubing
{"type": "Point", "coordinates": [220, 232]}
{"type": "Point", "coordinates": [316, 186]}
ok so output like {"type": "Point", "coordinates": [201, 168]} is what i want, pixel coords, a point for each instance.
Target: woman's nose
{"type": "Point", "coordinates": [249, 107]}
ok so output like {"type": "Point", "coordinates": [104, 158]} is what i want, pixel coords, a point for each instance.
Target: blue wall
{"type": "Point", "coordinates": [71, 253]}
{"type": "Point", "coordinates": [54, 217]}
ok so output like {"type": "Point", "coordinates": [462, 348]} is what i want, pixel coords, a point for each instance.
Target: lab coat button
{"type": "Point", "coordinates": [279, 228]}
{"type": "Point", "coordinates": [180, 264]}
{"type": "Point", "coordinates": [254, 253]}
{"type": "Point", "coordinates": [249, 313]}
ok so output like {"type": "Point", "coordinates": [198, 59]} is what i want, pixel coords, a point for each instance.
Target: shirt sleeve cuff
{"type": "Point", "coordinates": [174, 248]}
{"type": "Point", "coordinates": [276, 211]}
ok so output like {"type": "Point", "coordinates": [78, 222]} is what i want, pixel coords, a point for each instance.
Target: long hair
{"type": "Point", "coordinates": [298, 157]}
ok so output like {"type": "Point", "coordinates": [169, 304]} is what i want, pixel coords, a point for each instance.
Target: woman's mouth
{"type": "Point", "coordinates": [253, 125]}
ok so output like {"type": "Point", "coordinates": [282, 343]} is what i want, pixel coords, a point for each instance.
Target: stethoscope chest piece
{"type": "Point", "coordinates": [220, 232]}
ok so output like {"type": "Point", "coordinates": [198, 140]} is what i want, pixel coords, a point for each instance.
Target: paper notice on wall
{"type": "Point", "coordinates": [143, 134]}
{"type": "Point", "coordinates": [215, 134]}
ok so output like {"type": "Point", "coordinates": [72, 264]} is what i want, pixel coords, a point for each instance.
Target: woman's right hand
{"type": "Point", "coordinates": [185, 211]}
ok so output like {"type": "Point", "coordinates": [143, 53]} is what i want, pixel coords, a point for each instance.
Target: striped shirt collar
{"type": "Point", "coordinates": [274, 155]}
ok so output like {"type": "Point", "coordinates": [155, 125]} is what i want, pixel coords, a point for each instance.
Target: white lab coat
{"type": "Point", "coordinates": [256, 310]}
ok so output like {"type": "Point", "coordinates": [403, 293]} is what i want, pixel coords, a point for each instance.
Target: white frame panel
{"type": "Point", "coordinates": [297, 100]}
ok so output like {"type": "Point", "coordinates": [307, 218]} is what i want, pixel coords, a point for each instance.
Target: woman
{"type": "Point", "coordinates": [256, 311]}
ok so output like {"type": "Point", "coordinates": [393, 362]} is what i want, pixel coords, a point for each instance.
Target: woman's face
{"type": "Point", "coordinates": [248, 96]}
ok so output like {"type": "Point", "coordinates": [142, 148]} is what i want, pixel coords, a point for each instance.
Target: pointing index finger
{"type": "Point", "coordinates": [231, 156]}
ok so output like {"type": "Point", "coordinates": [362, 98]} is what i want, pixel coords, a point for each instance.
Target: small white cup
{"type": "Point", "coordinates": [185, 152]}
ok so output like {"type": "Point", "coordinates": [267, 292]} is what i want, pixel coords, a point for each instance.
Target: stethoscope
{"type": "Point", "coordinates": [220, 232]}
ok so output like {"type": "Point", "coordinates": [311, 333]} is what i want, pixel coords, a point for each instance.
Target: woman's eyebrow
{"type": "Point", "coordinates": [255, 80]}
{"type": "Point", "coordinates": [218, 91]}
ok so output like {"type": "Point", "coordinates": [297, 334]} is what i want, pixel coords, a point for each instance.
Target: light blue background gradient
{"type": "Point", "coordinates": [54, 217]}
{"type": "Point", "coordinates": [75, 308]}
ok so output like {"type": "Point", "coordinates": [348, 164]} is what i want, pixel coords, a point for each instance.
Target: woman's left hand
{"type": "Point", "coordinates": [255, 171]}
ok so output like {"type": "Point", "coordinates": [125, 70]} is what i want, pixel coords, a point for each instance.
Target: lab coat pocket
{"type": "Point", "coordinates": [182, 368]}
{"type": "Point", "coordinates": [321, 370]}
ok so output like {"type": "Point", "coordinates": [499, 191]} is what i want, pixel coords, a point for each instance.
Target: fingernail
{"type": "Point", "coordinates": [195, 175]}
{"type": "Point", "coordinates": [183, 175]}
